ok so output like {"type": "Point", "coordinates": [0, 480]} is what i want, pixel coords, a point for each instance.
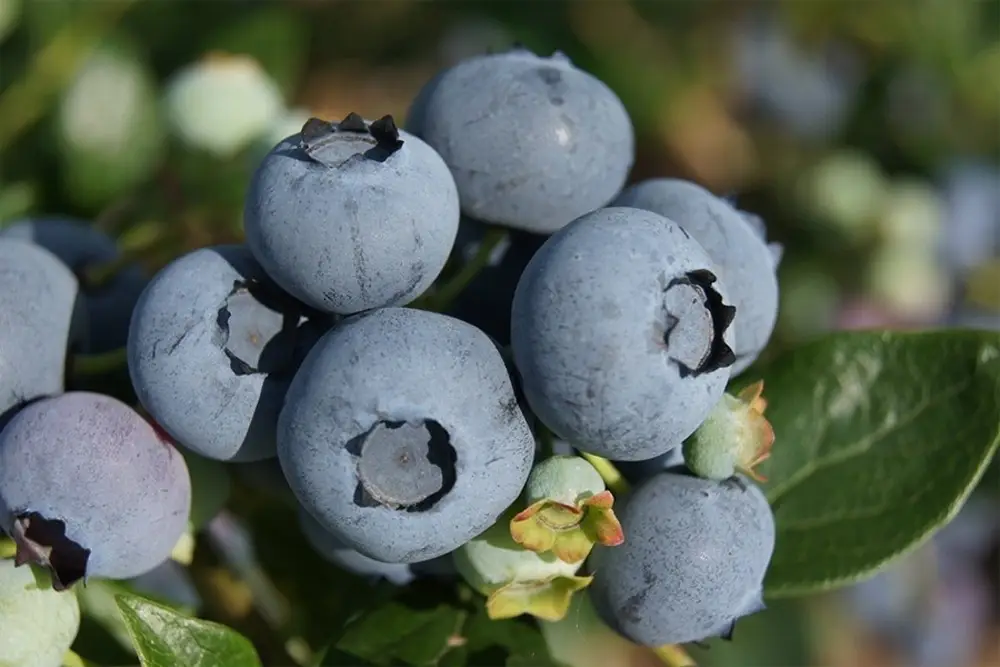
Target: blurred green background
{"type": "Point", "coordinates": [865, 134]}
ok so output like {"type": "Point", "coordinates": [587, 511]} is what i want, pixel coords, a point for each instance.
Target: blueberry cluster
{"type": "Point", "coordinates": [412, 420]}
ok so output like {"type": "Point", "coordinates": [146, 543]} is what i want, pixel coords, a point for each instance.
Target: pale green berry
{"type": "Point", "coordinates": [734, 437]}
{"type": "Point", "coordinates": [517, 581]}
{"type": "Point", "coordinates": [109, 124]}
{"type": "Point", "coordinates": [222, 103]}
{"type": "Point", "coordinates": [37, 624]}
{"type": "Point", "coordinates": [564, 479]}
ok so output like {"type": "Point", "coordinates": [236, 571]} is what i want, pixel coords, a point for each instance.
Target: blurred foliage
{"type": "Point", "coordinates": [824, 117]}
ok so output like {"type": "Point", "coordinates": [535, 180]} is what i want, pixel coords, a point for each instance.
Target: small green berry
{"type": "Point", "coordinates": [517, 581]}
{"type": "Point", "coordinates": [37, 623]}
{"type": "Point", "coordinates": [734, 438]}
{"type": "Point", "coordinates": [569, 510]}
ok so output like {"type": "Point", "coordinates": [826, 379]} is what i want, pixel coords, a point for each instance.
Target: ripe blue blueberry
{"type": "Point", "coordinates": [743, 260]}
{"type": "Point", "coordinates": [39, 301]}
{"type": "Point", "coordinates": [692, 563]}
{"type": "Point", "coordinates": [80, 247]}
{"type": "Point", "coordinates": [353, 215]}
{"type": "Point", "coordinates": [533, 142]}
{"type": "Point", "coordinates": [212, 347]}
{"type": "Point", "coordinates": [395, 427]}
{"type": "Point", "coordinates": [620, 331]}
{"type": "Point", "coordinates": [89, 489]}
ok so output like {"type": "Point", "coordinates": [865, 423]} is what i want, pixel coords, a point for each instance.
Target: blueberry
{"type": "Point", "coordinates": [37, 623]}
{"type": "Point", "coordinates": [744, 261]}
{"type": "Point", "coordinates": [352, 216]}
{"type": "Point", "coordinates": [212, 347]}
{"type": "Point", "coordinates": [487, 300]}
{"type": "Point", "coordinates": [80, 246]}
{"type": "Point", "coordinates": [38, 304]}
{"type": "Point", "coordinates": [89, 489]}
{"type": "Point", "coordinates": [394, 428]}
{"type": "Point", "coordinates": [693, 560]}
{"type": "Point", "coordinates": [621, 334]}
{"type": "Point", "coordinates": [532, 142]}
{"type": "Point", "coordinates": [334, 550]}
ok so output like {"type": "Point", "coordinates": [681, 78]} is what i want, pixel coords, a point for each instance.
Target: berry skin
{"type": "Point", "coordinates": [394, 427]}
{"type": "Point", "coordinates": [109, 305]}
{"type": "Point", "coordinates": [693, 563]}
{"type": "Point", "coordinates": [89, 489]}
{"type": "Point", "coordinates": [352, 216]}
{"type": "Point", "coordinates": [37, 623]}
{"type": "Point", "coordinates": [39, 301]}
{"type": "Point", "coordinates": [621, 333]}
{"type": "Point", "coordinates": [332, 549]}
{"type": "Point", "coordinates": [532, 142]}
{"type": "Point", "coordinates": [744, 261]}
{"type": "Point", "coordinates": [517, 581]}
{"type": "Point", "coordinates": [211, 349]}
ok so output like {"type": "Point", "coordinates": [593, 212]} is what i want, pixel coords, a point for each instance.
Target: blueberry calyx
{"type": "Point", "coordinates": [324, 143]}
{"type": "Point", "coordinates": [258, 330]}
{"type": "Point", "coordinates": [406, 466]}
{"type": "Point", "coordinates": [719, 355]}
{"type": "Point", "coordinates": [352, 123]}
{"type": "Point", "coordinates": [386, 133]}
{"type": "Point", "coordinates": [43, 542]}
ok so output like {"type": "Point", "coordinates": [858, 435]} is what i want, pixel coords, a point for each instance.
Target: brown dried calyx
{"type": "Point", "coordinates": [43, 542]}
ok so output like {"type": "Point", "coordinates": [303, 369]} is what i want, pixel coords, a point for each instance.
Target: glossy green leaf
{"type": "Point", "coordinates": [397, 633]}
{"type": "Point", "coordinates": [164, 638]}
{"type": "Point", "coordinates": [881, 437]}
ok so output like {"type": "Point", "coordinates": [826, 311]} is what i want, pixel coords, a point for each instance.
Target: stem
{"type": "Point", "coordinates": [72, 659]}
{"type": "Point", "coordinates": [447, 293]}
{"type": "Point", "coordinates": [673, 655]}
{"type": "Point", "coordinates": [52, 68]}
{"type": "Point", "coordinates": [545, 442]}
{"type": "Point", "coordinates": [87, 365]}
{"type": "Point", "coordinates": [613, 479]}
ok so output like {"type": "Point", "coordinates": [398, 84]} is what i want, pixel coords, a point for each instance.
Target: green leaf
{"type": "Point", "coordinates": [164, 638]}
{"type": "Point", "coordinates": [395, 632]}
{"type": "Point", "coordinates": [880, 438]}
{"type": "Point", "coordinates": [513, 642]}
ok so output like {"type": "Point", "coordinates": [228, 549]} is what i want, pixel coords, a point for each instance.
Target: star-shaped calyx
{"type": "Point", "coordinates": [569, 511]}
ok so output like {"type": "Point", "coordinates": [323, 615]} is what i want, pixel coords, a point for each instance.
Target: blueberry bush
{"type": "Point", "coordinates": [497, 366]}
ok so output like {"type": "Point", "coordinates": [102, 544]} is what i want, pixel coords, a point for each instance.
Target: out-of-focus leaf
{"type": "Point", "coordinates": [881, 437]}
{"type": "Point", "coordinates": [16, 200]}
{"type": "Point", "coordinates": [164, 638]}
{"type": "Point", "coordinates": [776, 637]}
{"type": "Point", "coordinates": [210, 486]}
{"type": "Point", "coordinates": [10, 15]}
{"type": "Point", "coordinates": [275, 36]}
{"type": "Point", "coordinates": [395, 632]}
